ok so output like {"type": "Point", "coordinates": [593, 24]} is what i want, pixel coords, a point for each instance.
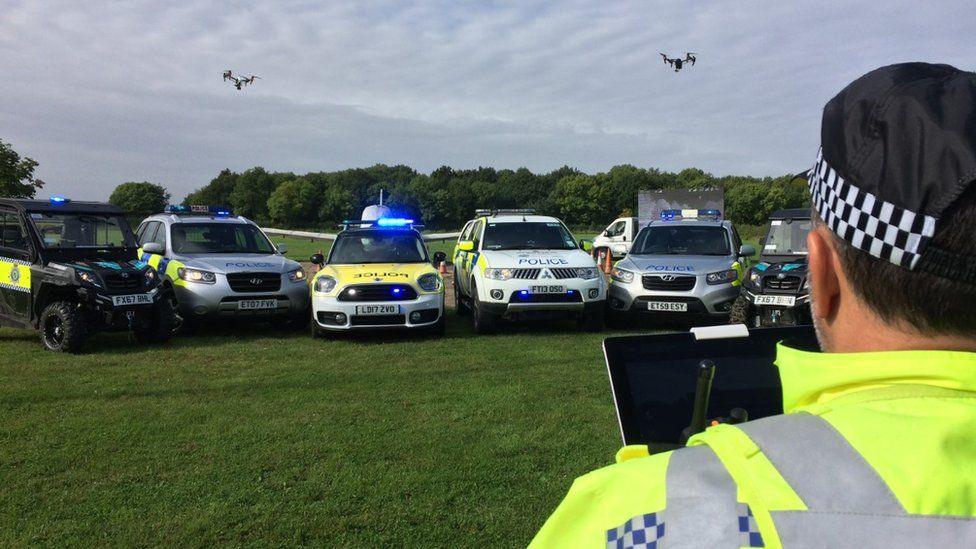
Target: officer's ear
{"type": "Point", "coordinates": [825, 272]}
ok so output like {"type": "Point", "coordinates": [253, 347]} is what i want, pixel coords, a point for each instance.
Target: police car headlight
{"type": "Point", "coordinates": [151, 277]}
{"type": "Point", "coordinates": [722, 277]}
{"type": "Point", "coordinates": [196, 275]}
{"type": "Point", "coordinates": [298, 275]}
{"type": "Point", "coordinates": [499, 274]}
{"type": "Point", "coordinates": [587, 273]}
{"type": "Point", "coordinates": [622, 275]}
{"type": "Point", "coordinates": [88, 278]}
{"type": "Point", "coordinates": [806, 283]}
{"type": "Point", "coordinates": [325, 284]}
{"type": "Point", "coordinates": [429, 282]}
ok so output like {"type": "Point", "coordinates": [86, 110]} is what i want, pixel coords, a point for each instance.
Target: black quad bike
{"type": "Point", "coordinates": [775, 292]}
{"type": "Point", "coordinates": [69, 269]}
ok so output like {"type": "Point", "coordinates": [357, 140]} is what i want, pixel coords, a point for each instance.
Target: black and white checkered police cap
{"type": "Point", "coordinates": [898, 147]}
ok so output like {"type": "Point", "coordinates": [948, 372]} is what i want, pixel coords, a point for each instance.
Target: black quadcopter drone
{"type": "Point", "coordinates": [678, 62]}
{"type": "Point", "coordinates": [239, 81]}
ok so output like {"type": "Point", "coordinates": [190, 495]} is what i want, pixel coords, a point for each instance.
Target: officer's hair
{"type": "Point", "coordinates": [929, 304]}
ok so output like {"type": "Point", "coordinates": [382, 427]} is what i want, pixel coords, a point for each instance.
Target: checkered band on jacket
{"type": "Point", "coordinates": [866, 222]}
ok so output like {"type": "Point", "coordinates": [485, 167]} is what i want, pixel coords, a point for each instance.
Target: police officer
{"type": "Point", "coordinates": [878, 444]}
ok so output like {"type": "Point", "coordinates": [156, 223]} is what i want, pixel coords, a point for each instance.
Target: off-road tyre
{"type": "Point", "coordinates": [483, 322]}
{"type": "Point", "coordinates": [63, 328]}
{"type": "Point", "coordinates": [181, 325]}
{"type": "Point", "coordinates": [742, 311]}
{"type": "Point", "coordinates": [593, 322]}
{"type": "Point", "coordinates": [460, 305]}
{"type": "Point", "coordinates": [161, 325]}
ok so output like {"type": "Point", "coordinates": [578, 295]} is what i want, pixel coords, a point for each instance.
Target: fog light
{"type": "Point", "coordinates": [340, 318]}
{"type": "Point", "coordinates": [415, 316]}
{"type": "Point", "coordinates": [497, 294]}
{"type": "Point", "coordinates": [616, 303]}
{"type": "Point", "coordinates": [200, 310]}
{"type": "Point", "coordinates": [724, 307]}
{"type": "Point", "coordinates": [594, 293]}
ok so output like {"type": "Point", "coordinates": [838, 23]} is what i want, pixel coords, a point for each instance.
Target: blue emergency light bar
{"type": "Point", "coordinates": [58, 199]}
{"type": "Point", "coordinates": [181, 209]}
{"type": "Point", "coordinates": [678, 215]}
{"type": "Point", "coordinates": [383, 222]}
{"type": "Point", "coordinates": [394, 222]}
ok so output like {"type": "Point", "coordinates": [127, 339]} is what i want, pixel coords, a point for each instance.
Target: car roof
{"type": "Point", "coordinates": [794, 213]}
{"type": "Point", "coordinates": [692, 223]}
{"type": "Point", "coordinates": [174, 218]}
{"type": "Point", "coordinates": [46, 206]}
{"type": "Point", "coordinates": [518, 218]}
{"type": "Point", "coordinates": [373, 230]}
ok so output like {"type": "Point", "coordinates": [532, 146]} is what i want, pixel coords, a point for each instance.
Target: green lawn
{"type": "Point", "coordinates": [245, 435]}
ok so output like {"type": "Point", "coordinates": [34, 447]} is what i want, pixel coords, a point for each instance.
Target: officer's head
{"type": "Point", "coordinates": [893, 256]}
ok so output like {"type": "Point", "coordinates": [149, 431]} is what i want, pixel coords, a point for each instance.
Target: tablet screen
{"type": "Point", "coordinates": [654, 379]}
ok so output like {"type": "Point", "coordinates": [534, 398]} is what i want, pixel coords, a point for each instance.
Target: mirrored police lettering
{"type": "Point", "coordinates": [235, 264]}
{"type": "Point", "coordinates": [676, 268]}
{"type": "Point", "coordinates": [536, 261]}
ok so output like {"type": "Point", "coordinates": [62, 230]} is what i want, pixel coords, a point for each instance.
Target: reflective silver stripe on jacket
{"type": "Point", "coordinates": [849, 504]}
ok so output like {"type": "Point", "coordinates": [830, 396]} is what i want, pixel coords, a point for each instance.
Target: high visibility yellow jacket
{"type": "Point", "coordinates": [875, 450]}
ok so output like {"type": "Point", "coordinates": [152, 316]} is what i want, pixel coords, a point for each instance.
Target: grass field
{"type": "Point", "coordinates": [244, 435]}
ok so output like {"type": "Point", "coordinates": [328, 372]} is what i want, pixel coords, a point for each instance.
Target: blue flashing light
{"type": "Point", "coordinates": [397, 291]}
{"type": "Point", "coordinates": [58, 199]}
{"type": "Point", "coordinates": [176, 208]}
{"type": "Point", "coordinates": [218, 211]}
{"type": "Point", "coordinates": [670, 215]}
{"type": "Point", "coordinates": [709, 214]}
{"type": "Point", "coordinates": [393, 222]}
{"type": "Point", "coordinates": [524, 293]}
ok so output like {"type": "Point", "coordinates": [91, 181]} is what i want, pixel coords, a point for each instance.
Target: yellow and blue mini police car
{"type": "Point", "coordinates": [378, 274]}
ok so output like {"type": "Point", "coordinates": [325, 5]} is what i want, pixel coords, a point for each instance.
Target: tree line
{"type": "Point", "coordinates": [443, 199]}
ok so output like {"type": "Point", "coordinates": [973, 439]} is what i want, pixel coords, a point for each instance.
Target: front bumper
{"type": "Point", "coordinates": [218, 300]}
{"type": "Point", "coordinates": [430, 308]}
{"type": "Point", "coordinates": [702, 299]}
{"type": "Point", "coordinates": [513, 298]}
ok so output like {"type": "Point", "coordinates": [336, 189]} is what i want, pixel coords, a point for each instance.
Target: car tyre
{"type": "Point", "coordinates": [62, 327]}
{"type": "Point", "coordinates": [161, 325]}
{"type": "Point", "coordinates": [459, 303]}
{"type": "Point", "coordinates": [483, 322]}
{"type": "Point", "coordinates": [742, 311]}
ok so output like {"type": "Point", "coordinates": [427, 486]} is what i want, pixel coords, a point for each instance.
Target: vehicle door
{"type": "Point", "coordinates": [741, 264]}
{"type": "Point", "coordinates": [469, 259]}
{"type": "Point", "coordinates": [153, 231]}
{"type": "Point", "coordinates": [15, 267]}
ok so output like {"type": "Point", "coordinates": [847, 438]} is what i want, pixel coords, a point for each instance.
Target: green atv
{"type": "Point", "coordinates": [69, 269]}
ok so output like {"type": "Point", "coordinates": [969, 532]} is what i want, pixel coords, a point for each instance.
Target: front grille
{"type": "Point", "coordinates": [788, 284]}
{"type": "Point", "coordinates": [377, 320]}
{"type": "Point", "coordinates": [254, 282]}
{"type": "Point", "coordinates": [118, 283]}
{"type": "Point", "coordinates": [571, 296]}
{"type": "Point", "coordinates": [378, 292]}
{"type": "Point", "coordinates": [563, 273]}
{"type": "Point", "coordinates": [675, 284]}
{"type": "Point", "coordinates": [525, 274]}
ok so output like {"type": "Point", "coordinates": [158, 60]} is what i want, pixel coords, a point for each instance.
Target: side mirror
{"type": "Point", "coordinates": [582, 245]}
{"type": "Point", "coordinates": [747, 250]}
{"type": "Point", "coordinates": [466, 245]}
{"type": "Point", "coordinates": [153, 248]}
{"type": "Point", "coordinates": [282, 248]}
{"type": "Point", "coordinates": [317, 259]}
{"type": "Point", "coordinates": [606, 232]}
{"type": "Point", "coordinates": [439, 257]}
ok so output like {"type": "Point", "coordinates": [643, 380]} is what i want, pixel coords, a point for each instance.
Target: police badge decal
{"type": "Point", "coordinates": [15, 274]}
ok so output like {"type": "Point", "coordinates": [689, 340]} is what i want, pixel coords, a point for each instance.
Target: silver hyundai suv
{"type": "Point", "coordinates": [688, 265]}
{"type": "Point", "coordinates": [218, 265]}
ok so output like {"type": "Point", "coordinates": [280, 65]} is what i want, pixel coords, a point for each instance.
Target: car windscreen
{"type": "Point", "coordinates": [787, 237]}
{"type": "Point", "coordinates": [378, 247]}
{"type": "Point", "coordinates": [548, 235]}
{"type": "Point", "coordinates": [682, 240]}
{"type": "Point", "coordinates": [219, 238]}
{"type": "Point", "coordinates": [82, 230]}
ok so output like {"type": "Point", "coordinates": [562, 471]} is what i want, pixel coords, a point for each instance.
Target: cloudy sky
{"type": "Point", "coordinates": [105, 92]}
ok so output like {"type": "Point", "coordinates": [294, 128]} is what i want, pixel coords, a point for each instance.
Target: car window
{"type": "Point", "coordinates": [378, 247]}
{"type": "Point", "coordinates": [147, 232]}
{"type": "Point", "coordinates": [159, 235]}
{"type": "Point", "coordinates": [219, 238]}
{"type": "Point", "coordinates": [543, 235]}
{"type": "Point", "coordinates": [466, 232]}
{"type": "Point", "coordinates": [616, 229]}
{"type": "Point", "coordinates": [682, 240]}
{"type": "Point", "coordinates": [12, 235]}
{"type": "Point", "coordinates": [476, 233]}
{"type": "Point", "coordinates": [82, 230]}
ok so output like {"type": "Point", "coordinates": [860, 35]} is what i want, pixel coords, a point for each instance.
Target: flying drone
{"type": "Point", "coordinates": [678, 62]}
{"type": "Point", "coordinates": [239, 81]}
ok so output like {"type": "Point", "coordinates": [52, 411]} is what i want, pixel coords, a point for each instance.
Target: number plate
{"type": "Point", "coordinates": [137, 299]}
{"type": "Point", "coordinates": [257, 304]}
{"type": "Point", "coordinates": [667, 306]}
{"type": "Point", "coordinates": [776, 300]}
{"type": "Point", "coordinates": [377, 309]}
{"type": "Point", "coordinates": [547, 289]}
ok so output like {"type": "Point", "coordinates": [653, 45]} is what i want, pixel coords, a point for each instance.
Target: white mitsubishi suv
{"type": "Point", "coordinates": [513, 265]}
